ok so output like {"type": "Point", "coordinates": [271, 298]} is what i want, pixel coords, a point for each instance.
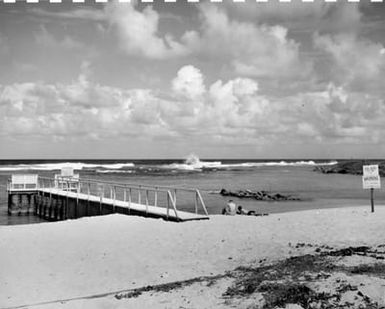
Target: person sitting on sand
{"type": "Point", "coordinates": [229, 209]}
{"type": "Point", "coordinates": [242, 211]}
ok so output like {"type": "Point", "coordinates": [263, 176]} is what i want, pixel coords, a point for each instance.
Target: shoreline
{"type": "Point", "coordinates": [31, 219]}
{"type": "Point", "coordinates": [96, 255]}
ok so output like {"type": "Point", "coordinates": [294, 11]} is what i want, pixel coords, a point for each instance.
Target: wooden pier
{"type": "Point", "coordinates": [69, 197]}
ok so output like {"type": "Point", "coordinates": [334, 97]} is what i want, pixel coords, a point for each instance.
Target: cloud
{"type": "Point", "coordinates": [336, 115]}
{"type": "Point", "coordinates": [231, 112]}
{"type": "Point", "coordinates": [299, 16]}
{"type": "Point", "coordinates": [353, 61]}
{"type": "Point", "coordinates": [46, 39]}
{"type": "Point", "coordinates": [189, 83]}
{"type": "Point", "coordinates": [80, 13]}
{"type": "Point", "coordinates": [138, 32]}
{"type": "Point", "coordinates": [253, 50]}
{"type": "Point", "coordinates": [250, 49]}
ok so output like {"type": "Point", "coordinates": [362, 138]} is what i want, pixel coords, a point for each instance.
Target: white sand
{"type": "Point", "coordinates": [89, 256]}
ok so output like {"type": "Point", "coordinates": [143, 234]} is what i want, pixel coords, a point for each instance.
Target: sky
{"type": "Point", "coordinates": [163, 80]}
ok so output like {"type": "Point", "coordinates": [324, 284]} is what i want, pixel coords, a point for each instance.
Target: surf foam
{"type": "Point", "coordinates": [58, 166]}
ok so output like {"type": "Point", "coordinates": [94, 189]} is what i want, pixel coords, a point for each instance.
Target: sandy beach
{"type": "Point", "coordinates": [119, 261]}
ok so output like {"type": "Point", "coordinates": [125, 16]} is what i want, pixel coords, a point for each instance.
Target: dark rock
{"type": "Point", "coordinates": [224, 192]}
{"type": "Point", "coordinates": [259, 195]}
{"type": "Point", "coordinates": [352, 167]}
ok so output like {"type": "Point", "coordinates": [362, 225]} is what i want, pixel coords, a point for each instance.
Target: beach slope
{"type": "Point", "coordinates": [119, 261]}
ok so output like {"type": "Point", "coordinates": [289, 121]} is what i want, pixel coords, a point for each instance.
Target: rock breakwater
{"type": "Point", "coordinates": [259, 195]}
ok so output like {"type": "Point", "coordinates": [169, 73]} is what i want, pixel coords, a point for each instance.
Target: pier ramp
{"type": "Point", "coordinates": [70, 197]}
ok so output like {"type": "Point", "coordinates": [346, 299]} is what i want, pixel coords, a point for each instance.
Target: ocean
{"type": "Point", "coordinates": [290, 177]}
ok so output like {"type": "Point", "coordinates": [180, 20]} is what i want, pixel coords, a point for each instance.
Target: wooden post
{"type": "Point", "coordinates": [30, 205]}
{"type": "Point", "coordinates": [114, 200]}
{"type": "Point", "coordinates": [40, 203]}
{"type": "Point", "coordinates": [54, 210]}
{"type": "Point", "coordinates": [129, 200]}
{"type": "Point", "coordinates": [9, 203]}
{"type": "Point", "coordinates": [36, 201]}
{"type": "Point", "coordinates": [67, 206]}
{"type": "Point", "coordinates": [88, 198]}
{"type": "Point", "coordinates": [50, 209]}
{"type": "Point", "coordinates": [168, 203]}
{"type": "Point", "coordinates": [196, 202]}
{"type": "Point", "coordinates": [372, 199]}
{"type": "Point", "coordinates": [19, 204]}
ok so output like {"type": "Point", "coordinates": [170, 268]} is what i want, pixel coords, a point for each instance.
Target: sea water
{"type": "Point", "coordinates": [290, 177]}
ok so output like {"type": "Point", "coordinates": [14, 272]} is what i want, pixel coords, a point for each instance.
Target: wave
{"type": "Point", "coordinates": [59, 166]}
{"type": "Point", "coordinates": [116, 171]}
{"type": "Point", "coordinates": [281, 163]}
{"type": "Point", "coordinates": [193, 163]}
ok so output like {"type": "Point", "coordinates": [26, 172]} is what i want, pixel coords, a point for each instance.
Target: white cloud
{"type": "Point", "coordinates": [299, 16]}
{"type": "Point", "coordinates": [354, 61]}
{"type": "Point", "coordinates": [138, 32]}
{"type": "Point", "coordinates": [223, 112]}
{"type": "Point", "coordinates": [252, 50]}
{"type": "Point", "coordinates": [189, 83]}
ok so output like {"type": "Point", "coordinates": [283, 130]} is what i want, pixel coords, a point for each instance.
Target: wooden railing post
{"type": "Point", "coordinates": [139, 196]}
{"type": "Point", "coordinates": [173, 204]}
{"type": "Point", "coordinates": [196, 202]}
{"type": "Point", "coordinates": [156, 197]}
{"type": "Point", "coordinates": [129, 200]}
{"type": "Point", "coordinates": [114, 201]}
{"type": "Point", "coordinates": [168, 204]}
{"type": "Point", "coordinates": [202, 202]}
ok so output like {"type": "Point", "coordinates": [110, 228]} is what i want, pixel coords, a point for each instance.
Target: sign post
{"type": "Point", "coordinates": [371, 180]}
{"type": "Point", "coordinates": [372, 199]}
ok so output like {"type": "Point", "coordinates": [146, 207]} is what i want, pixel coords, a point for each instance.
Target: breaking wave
{"type": "Point", "coordinates": [193, 163]}
{"type": "Point", "coordinates": [58, 166]}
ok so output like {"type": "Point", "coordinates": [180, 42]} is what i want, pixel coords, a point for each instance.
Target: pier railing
{"type": "Point", "coordinates": [158, 196]}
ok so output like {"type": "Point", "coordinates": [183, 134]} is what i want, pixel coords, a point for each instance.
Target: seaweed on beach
{"type": "Point", "coordinates": [293, 280]}
{"type": "Point", "coordinates": [167, 287]}
{"type": "Point", "coordinates": [293, 268]}
{"type": "Point", "coordinates": [280, 294]}
{"type": "Point", "coordinates": [377, 269]}
{"type": "Point", "coordinates": [289, 281]}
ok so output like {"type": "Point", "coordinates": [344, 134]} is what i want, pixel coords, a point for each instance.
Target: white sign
{"type": "Point", "coordinates": [371, 177]}
{"type": "Point", "coordinates": [67, 171]}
